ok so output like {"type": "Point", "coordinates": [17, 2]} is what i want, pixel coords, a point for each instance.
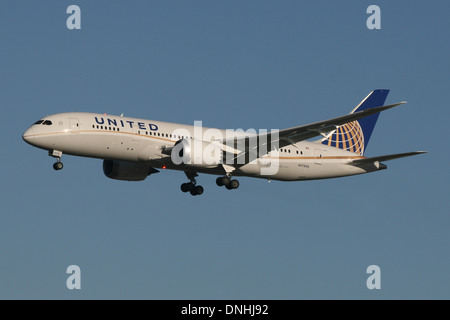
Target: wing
{"type": "Point", "coordinates": [292, 135]}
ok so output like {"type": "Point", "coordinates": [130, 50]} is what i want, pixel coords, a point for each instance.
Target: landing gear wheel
{"type": "Point", "coordinates": [225, 180]}
{"type": "Point", "coordinates": [191, 186]}
{"type": "Point", "coordinates": [188, 186]}
{"type": "Point", "coordinates": [198, 190]}
{"type": "Point", "coordinates": [219, 181]}
{"type": "Point", "coordinates": [58, 165]}
{"type": "Point", "coordinates": [56, 154]}
{"type": "Point", "coordinates": [234, 184]}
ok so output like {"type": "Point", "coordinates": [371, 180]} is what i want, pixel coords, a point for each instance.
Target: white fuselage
{"type": "Point", "coordinates": [138, 140]}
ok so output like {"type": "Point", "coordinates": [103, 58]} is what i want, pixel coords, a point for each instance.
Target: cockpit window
{"type": "Point", "coordinates": [44, 122]}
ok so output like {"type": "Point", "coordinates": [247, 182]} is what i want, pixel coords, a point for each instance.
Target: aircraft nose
{"type": "Point", "coordinates": [27, 135]}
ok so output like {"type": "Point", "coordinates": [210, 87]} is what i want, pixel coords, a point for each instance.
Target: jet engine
{"type": "Point", "coordinates": [126, 170]}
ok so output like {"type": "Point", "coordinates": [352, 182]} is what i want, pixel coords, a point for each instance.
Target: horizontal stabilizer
{"type": "Point", "coordinates": [385, 158]}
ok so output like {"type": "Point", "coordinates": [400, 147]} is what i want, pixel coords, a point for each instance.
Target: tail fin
{"type": "Point", "coordinates": [354, 136]}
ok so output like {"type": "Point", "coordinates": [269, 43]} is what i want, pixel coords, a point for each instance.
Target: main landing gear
{"type": "Point", "coordinates": [58, 165]}
{"type": "Point", "coordinates": [196, 190]}
{"type": "Point", "coordinates": [227, 182]}
{"type": "Point", "coordinates": [192, 186]}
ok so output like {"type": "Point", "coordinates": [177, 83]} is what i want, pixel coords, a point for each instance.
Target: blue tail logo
{"type": "Point", "coordinates": [354, 136]}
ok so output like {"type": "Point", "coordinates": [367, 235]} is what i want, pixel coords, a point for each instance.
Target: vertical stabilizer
{"type": "Point", "coordinates": [354, 136]}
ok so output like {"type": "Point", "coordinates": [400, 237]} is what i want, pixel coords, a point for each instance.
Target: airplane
{"type": "Point", "coordinates": [132, 149]}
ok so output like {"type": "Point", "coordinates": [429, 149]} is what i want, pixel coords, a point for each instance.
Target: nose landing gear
{"type": "Point", "coordinates": [58, 165]}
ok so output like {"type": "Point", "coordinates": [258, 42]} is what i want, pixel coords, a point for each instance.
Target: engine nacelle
{"type": "Point", "coordinates": [126, 170]}
{"type": "Point", "coordinates": [197, 153]}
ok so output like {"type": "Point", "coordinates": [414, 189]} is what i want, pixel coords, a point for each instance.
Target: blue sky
{"type": "Point", "coordinates": [231, 64]}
